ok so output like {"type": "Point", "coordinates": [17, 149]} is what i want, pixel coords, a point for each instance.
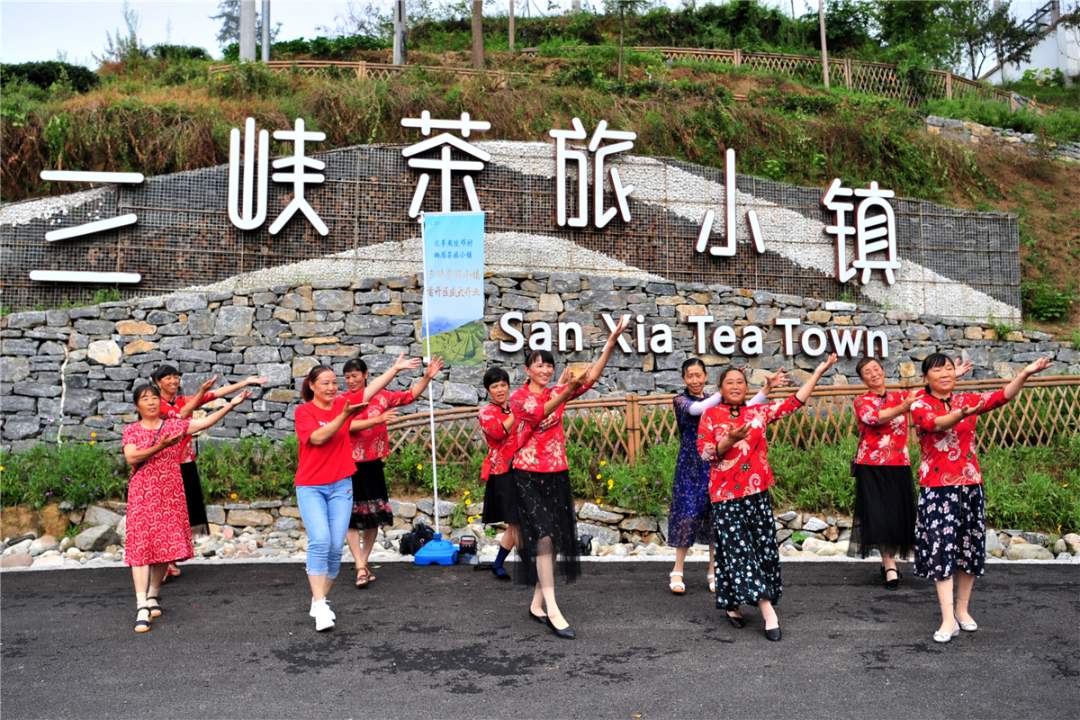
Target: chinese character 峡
{"type": "Point", "coordinates": [445, 164]}
{"type": "Point", "coordinates": [601, 215]}
{"type": "Point", "coordinates": [874, 231]}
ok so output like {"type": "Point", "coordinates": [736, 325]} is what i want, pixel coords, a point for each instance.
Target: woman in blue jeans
{"type": "Point", "coordinates": [324, 479]}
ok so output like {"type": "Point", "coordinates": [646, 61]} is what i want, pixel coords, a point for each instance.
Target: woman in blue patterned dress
{"type": "Point", "coordinates": [689, 519]}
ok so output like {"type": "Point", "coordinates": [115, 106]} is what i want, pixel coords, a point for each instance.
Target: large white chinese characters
{"type": "Point", "coordinates": [445, 163]}
{"type": "Point", "coordinates": [564, 155]}
{"type": "Point", "coordinates": [255, 166]}
{"type": "Point", "coordinates": [728, 248]}
{"type": "Point", "coordinates": [874, 231]}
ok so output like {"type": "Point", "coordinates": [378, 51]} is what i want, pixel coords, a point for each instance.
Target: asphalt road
{"type": "Point", "coordinates": [236, 642]}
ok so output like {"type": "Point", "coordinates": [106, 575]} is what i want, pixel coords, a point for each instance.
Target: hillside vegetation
{"type": "Point", "coordinates": [161, 112]}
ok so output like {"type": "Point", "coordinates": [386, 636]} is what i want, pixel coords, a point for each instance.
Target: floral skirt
{"type": "Point", "coordinates": [371, 505]}
{"type": "Point", "coordinates": [548, 524]}
{"type": "Point", "coordinates": [950, 531]}
{"type": "Point", "coordinates": [689, 521]}
{"type": "Point", "coordinates": [747, 559]}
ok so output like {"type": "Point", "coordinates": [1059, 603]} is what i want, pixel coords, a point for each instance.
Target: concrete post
{"type": "Point", "coordinates": [266, 30]}
{"type": "Point", "coordinates": [399, 32]}
{"type": "Point", "coordinates": [247, 30]}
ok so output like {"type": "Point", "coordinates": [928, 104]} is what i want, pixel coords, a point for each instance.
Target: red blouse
{"type": "Point", "coordinates": [374, 442]}
{"type": "Point", "coordinates": [172, 410]}
{"type": "Point", "coordinates": [331, 461]}
{"type": "Point", "coordinates": [881, 442]}
{"type": "Point", "coordinates": [948, 456]}
{"type": "Point", "coordinates": [744, 468]}
{"type": "Point", "coordinates": [540, 449]}
{"type": "Point", "coordinates": [500, 441]}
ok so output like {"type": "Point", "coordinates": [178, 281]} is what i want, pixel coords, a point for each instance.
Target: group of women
{"type": "Point", "coordinates": [720, 493]}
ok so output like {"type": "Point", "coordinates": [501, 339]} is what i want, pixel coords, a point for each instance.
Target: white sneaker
{"type": "Point", "coordinates": [311, 612]}
{"type": "Point", "coordinates": [324, 616]}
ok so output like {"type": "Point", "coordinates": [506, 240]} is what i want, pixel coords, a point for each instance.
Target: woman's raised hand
{"type": "Point", "coordinates": [351, 409]}
{"type": "Point", "coordinates": [777, 379]}
{"type": "Point", "coordinates": [624, 322]}
{"type": "Point", "coordinates": [208, 383]}
{"type": "Point", "coordinates": [827, 363]}
{"type": "Point", "coordinates": [1037, 366]}
{"type": "Point", "coordinates": [389, 416]}
{"type": "Point", "coordinates": [404, 362]}
{"type": "Point", "coordinates": [963, 367]}
{"type": "Point", "coordinates": [240, 398]}
{"type": "Point", "coordinates": [434, 367]}
{"type": "Point", "coordinates": [256, 380]}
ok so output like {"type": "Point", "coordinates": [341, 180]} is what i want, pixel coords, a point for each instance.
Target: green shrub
{"type": "Point", "coordinates": [164, 51]}
{"type": "Point", "coordinates": [46, 74]}
{"type": "Point", "coordinates": [1062, 124]}
{"type": "Point", "coordinates": [1044, 301]}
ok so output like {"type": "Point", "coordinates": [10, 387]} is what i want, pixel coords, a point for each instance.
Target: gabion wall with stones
{"type": "Point", "coordinates": [69, 372]}
{"type": "Point", "coordinates": [954, 263]}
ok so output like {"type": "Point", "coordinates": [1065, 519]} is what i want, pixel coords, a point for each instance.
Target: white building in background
{"type": "Point", "coordinates": [1059, 48]}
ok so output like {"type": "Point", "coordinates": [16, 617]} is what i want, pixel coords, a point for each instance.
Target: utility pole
{"type": "Point", "coordinates": [824, 50]}
{"type": "Point", "coordinates": [478, 34]}
{"type": "Point", "coordinates": [622, 17]}
{"type": "Point", "coordinates": [512, 25]}
{"type": "Point", "coordinates": [247, 30]}
{"type": "Point", "coordinates": [399, 32]}
{"type": "Point", "coordinates": [266, 31]}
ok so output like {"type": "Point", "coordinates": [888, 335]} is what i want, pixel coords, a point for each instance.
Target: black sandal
{"type": "Point", "coordinates": [142, 626]}
{"type": "Point", "coordinates": [891, 584]}
{"type": "Point", "coordinates": [155, 610]}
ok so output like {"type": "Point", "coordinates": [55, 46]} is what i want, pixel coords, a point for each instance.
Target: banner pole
{"type": "Point", "coordinates": [427, 359]}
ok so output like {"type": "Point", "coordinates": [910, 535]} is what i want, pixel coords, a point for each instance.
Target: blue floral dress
{"type": "Point", "coordinates": [690, 517]}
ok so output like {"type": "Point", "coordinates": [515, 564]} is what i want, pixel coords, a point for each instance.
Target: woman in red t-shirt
{"type": "Point", "coordinates": [499, 428]}
{"type": "Point", "coordinates": [324, 479]}
{"type": "Point", "coordinates": [370, 444]}
{"type": "Point", "coordinates": [157, 521]}
{"type": "Point", "coordinates": [884, 493]}
{"type": "Point", "coordinates": [950, 529]}
{"type": "Point", "coordinates": [731, 436]}
{"type": "Point", "coordinates": [545, 504]}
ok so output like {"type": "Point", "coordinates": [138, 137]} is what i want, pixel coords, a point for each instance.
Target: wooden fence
{"type": "Point", "coordinates": [367, 70]}
{"type": "Point", "coordinates": [622, 428]}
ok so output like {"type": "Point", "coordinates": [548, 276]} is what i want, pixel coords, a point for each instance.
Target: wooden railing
{"type": "Point", "coordinates": [365, 70]}
{"type": "Point", "coordinates": [622, 428]}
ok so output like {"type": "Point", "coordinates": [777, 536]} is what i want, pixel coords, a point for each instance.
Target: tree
{"type": "Point", "coordinates": [122, 47]}
{"type": "Point", "coordinates": [229, 16]}
{"type": "Point", "coordinates": [982, 31]}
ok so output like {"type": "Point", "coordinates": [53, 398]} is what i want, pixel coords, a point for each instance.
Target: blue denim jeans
{"type": "Point", "coordinates": [325, 510]}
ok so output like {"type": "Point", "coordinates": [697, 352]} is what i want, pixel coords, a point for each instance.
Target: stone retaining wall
{"type": "Point", "coordinates": [973, 132]}
{"type": "Point", "coordinates": [69, 372]}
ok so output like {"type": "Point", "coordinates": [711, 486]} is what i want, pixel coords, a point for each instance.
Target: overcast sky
{"type": "Point", "coordinates": [41, 29]}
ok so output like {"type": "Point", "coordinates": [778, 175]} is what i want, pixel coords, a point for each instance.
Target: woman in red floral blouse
{"type": "Point", "coordinates": [157, 526]}
{"type": "Point", "coordinates": [731, 436]}
{"type": "Point", "coordinates": [498, 425]}
{"type": "Point", "coordinates": [548, 530]}
{"type": "Point", "coordinates": [884, 492]}
{"type": "Point", "coordinates": [950, 532]}
{"type": "Point", "coordinates": [370, 444]}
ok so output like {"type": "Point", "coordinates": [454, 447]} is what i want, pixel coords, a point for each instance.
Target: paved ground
{"type": "Point", "coordinates": [449, 642]}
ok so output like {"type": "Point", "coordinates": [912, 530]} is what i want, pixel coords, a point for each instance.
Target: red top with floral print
{"type": "Point", "coordinates": [881, 442]}
{"type": "Point", "coordinates": [374, 442]}
{"type": "Point", "coordinates": [501, 442]}
{"type": "Point", "coordinates": [541, 444]}
{"type": "Point", "coordinates": [744, 468]}
{"type": "Point", "coordinates": [948, 456]}
{"type": "Point", "coordinates": [172, 410]}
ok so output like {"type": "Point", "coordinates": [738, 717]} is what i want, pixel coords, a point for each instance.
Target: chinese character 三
{"type": "Point", "coordinates": [874, 231]}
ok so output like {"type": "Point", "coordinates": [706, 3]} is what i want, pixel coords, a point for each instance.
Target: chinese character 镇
{"type": "Point", "coordinates": [874, 231]}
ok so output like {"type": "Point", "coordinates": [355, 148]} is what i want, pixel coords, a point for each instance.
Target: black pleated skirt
{"type": "Point", "coordinates": [884, 511]}
{"type": "Point", "coordinates": [196, 506]}
{"type": "Point", "coordinates": [548, 524]}
{"type": "Point", "coordinates": [500, 499]}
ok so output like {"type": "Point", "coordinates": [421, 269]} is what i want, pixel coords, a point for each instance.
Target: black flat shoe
{"type": "Point", "coordinates": [566, 633]}
{"type": "Point", "coordinates": [895, 582]}
{"type": "Point", "coordinates": [773, 635]}
{"type": "Point", "coordinates": [542, 619]}
{"type": "Point", "coordinates": [737, 621]}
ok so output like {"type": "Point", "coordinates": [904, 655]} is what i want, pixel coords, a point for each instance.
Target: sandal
{"type": "Point", "coordinates": [677, 587]}
{"type": "Point", "coordinates": [156, 609]}
{"type": "Point", "coordinates": [363, 577]}
{"type": "Point", "coordinates": [711, 579]}
{"type": "Point", "coordinates": [895, 582]}
{"type": "Point", "coordinates": [170, 571]}
{"type": "Point", "coordinates": [142, 626]}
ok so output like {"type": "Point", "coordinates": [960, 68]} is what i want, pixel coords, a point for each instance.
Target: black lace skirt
{"type": "Point", "coordinates": [884, 511]}
{"type": "Point", "coordinates": [371, 504]}
{"type": "Point", "coordinates": [548, 524]}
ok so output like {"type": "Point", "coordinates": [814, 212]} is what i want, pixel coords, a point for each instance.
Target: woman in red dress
{"type": "Point", "coordinates": [731, 437]}
{"type": "Point", "coordinates": [175, 405]}
{"type": "Point", "coordinates": [950, 530]}
{"type": "Point", "coordinates": [545, 504]}
{"type": "Point", "coordinates": [884, 493]}
{"type": "Point", "coordinates": [370, 444]}
{"type": "Point", "coordinates": [157, 526]}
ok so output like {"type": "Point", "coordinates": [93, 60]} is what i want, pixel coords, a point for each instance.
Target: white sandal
{"type": "Point", "coordinates": [677, 587]}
